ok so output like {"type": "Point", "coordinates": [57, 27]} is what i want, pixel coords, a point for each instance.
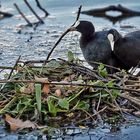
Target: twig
{"type": "Point", "coordinates": [116, 109]}
{"type": "Point", "coordinates": [132, 81]}
{"type": "Point", "coordinates": [29, 6]}
{"type": "Point", "coordinates": [83, 70]}
{"type": "Point", "coordinates": [135, 85]}
{"type": "Point", "coordinates": [24, 17]}
{"type": "Point", "coordinates": [9, 76]}
{"type": "Point", "coordinates": [40, 7]}
{"type": "Point", "coordinates": [116, 103]}
{"type": "Point", "coordinates": [98, 63]}
{"type": "Point", "coordinates": [99, 101]}
{"type": "Point", "coordinates": [96, 110]}
{"type": "Point", "coordinates": [134, 68]}
{"type": "Point", "coordinates": [49, 54]}
{"type": "Point", "coordinates": [5, 67]}
{"type": "Point", "coordinates": [92, 115]}
{"type": "Point", "coordinates": [63, 35]}
{"type": "Point", "coordinates": [9, 104]}
{"type": "Point", "coordinates": [131, 99]}
{"type": "Point", "coordinates": [78, 14]}
{"type": "Point", "coordinates": [14, 67]}
{"type": "Point", "coordinates": [68, 83]}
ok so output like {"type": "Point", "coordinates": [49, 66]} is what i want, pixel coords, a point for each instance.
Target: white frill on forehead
{"type": "Point", "coordinates": [111, 40]}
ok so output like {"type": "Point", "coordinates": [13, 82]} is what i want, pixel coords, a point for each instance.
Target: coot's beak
{"type": "Point", "coordinates": [111, 40]}
{"type": "Point", "coordinates": [74, 26]}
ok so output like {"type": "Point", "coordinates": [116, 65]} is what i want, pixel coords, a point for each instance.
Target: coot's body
{"type": "Point", "coordinates": [95, 45]}
{"type": "Point", "coordinates": [127, 48]}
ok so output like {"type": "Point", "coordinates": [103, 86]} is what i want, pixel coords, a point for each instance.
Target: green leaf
{"type": "Point", "coordinates": [64, 103]}
{"type": "Point", "coordinates": [102, 70]}
{"type": "Point", "coordinates": [70, 56]}
{"type": "Point", "coordinates": [51, 107]}
{"type": "Point", "coordinates": [53, 64]}
{"type": "Point", "coordinates": [115, 93]}
{"type": "Point", "coordinates": [38, 96]}
{"type": "Point", "coordinates": [71, 98]}
{"type": "Point", "coordinates": [110, 84]}
{"type": "Point", "coordinates": [83, 105]}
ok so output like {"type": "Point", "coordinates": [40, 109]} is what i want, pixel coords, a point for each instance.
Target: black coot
{"type": "Point", "coordinates": [95, 45]}
{"type": "Point", "coordinates": [126, 48]}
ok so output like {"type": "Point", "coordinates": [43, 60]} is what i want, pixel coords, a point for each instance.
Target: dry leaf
{"type": "Point", "coordinates": [82, 127]}
{"type": "Point", "coordinates": [69, 78]}
{"type": "Point", "coordinates": [42, 80]}
{"type": "Point", "coordinates": [137, 113]}
{"type": "Point", "coordinates": [29, 89]}
{"type": "Point", "coordinates": [70, 115]}
{"type": "Point", "coordinates": [58, 92]}
{"type": "Point", "coordinates": [46, 88]}
{"type": "Point", "coordinates": [16, 124]}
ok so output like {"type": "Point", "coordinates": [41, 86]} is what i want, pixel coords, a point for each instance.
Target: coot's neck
{"type": "Point", "coordinates": [87, 37]}
{"type": "Point", "coordinates": [117, 36]}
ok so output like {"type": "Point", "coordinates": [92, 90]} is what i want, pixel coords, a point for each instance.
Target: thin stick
{"type": "Point", "coordinates": [67, 83]}
{"type": "Point", "coordinates": [40, 7]}
{"type": "Point", "coordinates": [5, 67]}
{"type": "Point", "coordinates": [29, 6]}
{"type": "Point", "coordinates": [14, 67]}
{"type": "Point", "coordinates": [56, 45]}
{"type": "Point", "coordinates": [116, 104]}
{"type": "Point", "coordinates": [62, 36]}
{"type": "Point", "coordinates": [79, 11]}
{"type": "Point", "coordinates": [24, 17]}
{"type": "Point", "coordinates": [99, 101]}
{"type": "Point", "coordinates": [9, 76]}
{"type": "Point", "coordinates": [136, 101]}
{"type": "Point", "coordinates": [92, 115]}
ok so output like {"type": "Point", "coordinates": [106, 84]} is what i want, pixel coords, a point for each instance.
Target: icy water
{"type": "Point", "coordinates": [36, 44]}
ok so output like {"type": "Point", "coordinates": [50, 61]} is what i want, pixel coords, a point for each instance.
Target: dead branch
{"type": "Point", "coordinates": [95, 114]}
{"type": "Point", "coordinates": [10, 73]}
{"type": "Point", "coordinates": [101, 12]}
{"type": "Point", "coordinates": [40, 7]}
{"type": "Point", "coordinates": [136, 101]}
{"type": "Point", "coordinates": [120, 8]}
{"type": "Point", "coordinates": [69, 84]}
{"type": "Point", "coordinates": [5, 15]}
{"type": "Point", "coordinates": [84, 70]}
{"type": "Point", "coordinates": [78, 15]}
{"type": "Point", "coordinates": [24, 17]}
{"type": "Point", "coordinates": [29, 6]}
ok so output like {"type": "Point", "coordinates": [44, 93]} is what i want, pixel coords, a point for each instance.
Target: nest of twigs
{"type": "Point", "coordinates": [66, 92]}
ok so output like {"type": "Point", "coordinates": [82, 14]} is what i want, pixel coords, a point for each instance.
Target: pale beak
{"type": "Point", "coordinates": [111, 40]}
{"type": "Point", "coordinates": [73, 27]}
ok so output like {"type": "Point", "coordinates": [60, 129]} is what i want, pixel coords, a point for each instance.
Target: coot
{"type": "Point", "coordinates": [95, 46]}
{"type": "Point", "coordinates": [126, 48]}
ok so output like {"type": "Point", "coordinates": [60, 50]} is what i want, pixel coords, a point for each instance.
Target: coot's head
{"type": "Point", "coordinates": [86, 28]}
{"type": "Point", "coordinates": [113, 36]}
